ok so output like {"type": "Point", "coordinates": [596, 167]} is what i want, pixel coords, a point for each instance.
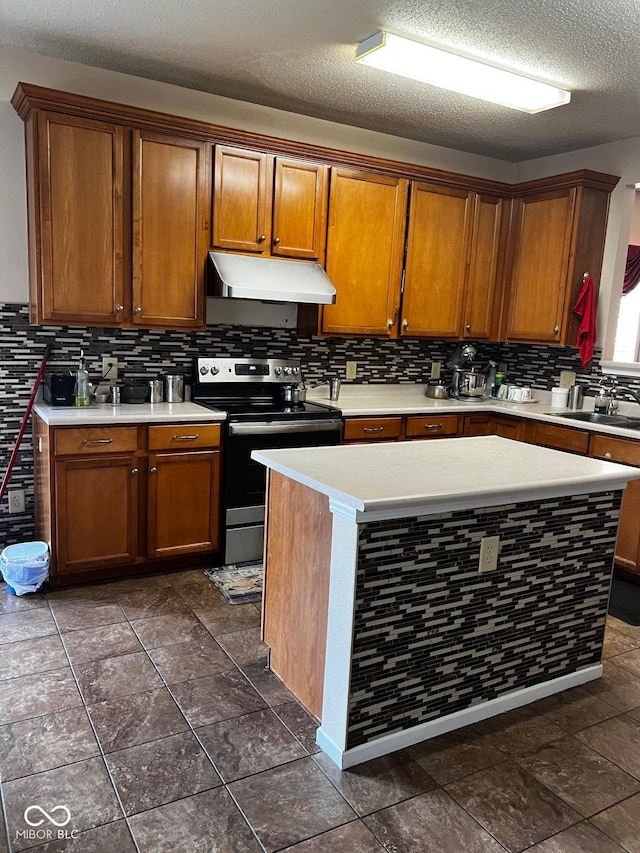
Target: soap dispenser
{"type": "Point", "coordinates": [82, 383]}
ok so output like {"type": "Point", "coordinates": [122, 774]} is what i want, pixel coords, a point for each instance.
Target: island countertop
{"type": "Point", "coordinates": [400, 478]}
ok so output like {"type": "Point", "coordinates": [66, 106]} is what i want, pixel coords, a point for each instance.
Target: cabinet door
{"type": "Point", "coordinates": [507, 427]}
{"type": "Point", "coordinates": [365, 242]}
{"type": "Point", "coordinates": [170, 230]}
{"type": "Point", "coordinates": [437, 247]}
{"type": "Point", "coordinates": [76, 220]}
{"type": "Point", "coordinates": [183, 503]}
{"type": "Point", "coordinates": [478, 425]}
{"type": "Point", "coordinates": [542, 239]}
{"type": "Point", "coordinates": [628, 541]}
{"type": "Point", "coordinates": [561, 438]}
{"type": "Point", "coordinates": [627, 452]}
{"type": "Point", "coordinates": [299, 209]}
{"type": "Point", "coordinates": [96, 512]}
{"type": "Point", "coordinates": [242, 200]}
{"type": "Point", "coordinates": [480, 318]}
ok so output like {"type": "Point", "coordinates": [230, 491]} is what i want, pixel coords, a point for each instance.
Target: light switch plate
{"type": "Point", "coordinates": [352, 370]}
{"type": "Point", "coordinates": [436, 367]}
{"type": "Point", "coordinates": [567, 378]}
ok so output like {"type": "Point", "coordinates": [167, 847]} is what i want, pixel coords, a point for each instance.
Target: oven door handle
{"type": "Point", "coordinates": [284, 427]}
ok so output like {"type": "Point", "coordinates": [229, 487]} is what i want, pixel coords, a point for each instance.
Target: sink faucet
{"type": "Point", "coordinates": [612, 391]}
{"type": "Point", "coordinates": [629, 391]}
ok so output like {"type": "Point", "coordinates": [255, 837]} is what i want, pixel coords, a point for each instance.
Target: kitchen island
{"type": "Point", "coordinates": [375, 610]}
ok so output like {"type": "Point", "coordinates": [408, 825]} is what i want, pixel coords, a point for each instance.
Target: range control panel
{"type": "Point", "coordinates": [219, 370]}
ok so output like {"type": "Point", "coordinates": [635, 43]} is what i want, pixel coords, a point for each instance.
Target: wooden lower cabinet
{"type": "Point", "coordinates": [183, 502]}
{"type": "Point", "coordinates": [96, 512]}
{"type": "Point", "coordinates": [431, 426]}
{"type": "Point", "coordinates": [372, 429]}
{"type": "Point", "coordinates": [410, 427]}
{"type": "Point", "coordinates": [626, 451]}
{"type": "Point", "coordinates": [561, 438]}
{"type": "Point", "coordinates": [488, 424]}
{"type": "Point", "coordinates": [116, 499]}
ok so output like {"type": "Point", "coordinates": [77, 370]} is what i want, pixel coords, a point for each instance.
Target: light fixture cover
{"type": "Point", "coordinates": [457, 73]}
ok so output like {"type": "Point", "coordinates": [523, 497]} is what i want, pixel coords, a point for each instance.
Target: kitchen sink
{"type": "Point", "coordinates": [607, 420]}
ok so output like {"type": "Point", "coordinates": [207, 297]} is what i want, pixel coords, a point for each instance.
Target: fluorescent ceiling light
{"type": "Point", "coordinates": [458, 74]}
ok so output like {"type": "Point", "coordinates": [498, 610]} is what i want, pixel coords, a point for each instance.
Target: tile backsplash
{"type": "Point", "coordinates": [146, 353]}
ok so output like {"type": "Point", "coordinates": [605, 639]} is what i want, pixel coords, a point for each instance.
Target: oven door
{"type": "Point", "coordinates": [244, 479]}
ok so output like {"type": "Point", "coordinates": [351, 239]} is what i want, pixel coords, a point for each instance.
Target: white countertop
{"type": "Point", "coordinates": [126, 413]}
{"type": "Point", "coordinates": [409, 399]}
{"type": "Point", "coordinates": [392, 480]}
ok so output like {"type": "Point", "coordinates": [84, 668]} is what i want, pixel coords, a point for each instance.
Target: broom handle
{"type": "Point", "coordinates": [25, 421]}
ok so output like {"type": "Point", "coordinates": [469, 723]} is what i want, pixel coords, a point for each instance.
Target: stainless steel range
{"type": "Point", "coordinates": [251, 391]}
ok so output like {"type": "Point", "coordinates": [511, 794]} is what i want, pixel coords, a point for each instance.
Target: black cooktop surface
{"type": "Point", "coordinates": [268, 409]}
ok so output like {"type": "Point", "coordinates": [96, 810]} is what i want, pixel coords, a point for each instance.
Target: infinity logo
{"type": "Point", "coordinates": [48, 816]}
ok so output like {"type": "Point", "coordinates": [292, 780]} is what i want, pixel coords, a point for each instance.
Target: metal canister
{"type": "Point", "coordinates": [173, 387]}
{"type": "Point", "coordinates": [156, 394]}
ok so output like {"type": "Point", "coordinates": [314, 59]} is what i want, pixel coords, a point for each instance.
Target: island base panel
{"type": "Point", "coordinates": [296, 587]}
{"type": "Point", "coordinates": [433, 636]}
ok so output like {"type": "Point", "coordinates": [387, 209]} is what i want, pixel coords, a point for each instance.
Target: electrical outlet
{"type": "Point", "coordinates": [16, 500]}
{"type": "Point", "coordinates": [109, 368]}
{"type": "Point", "coordinates": [352, 370]}
{"type": "Point", "coordinates": [567, 378]}
{"type": "Point", "coordinates": [489, 548]}
{"type": "Point", "coordinates": [436, 367]}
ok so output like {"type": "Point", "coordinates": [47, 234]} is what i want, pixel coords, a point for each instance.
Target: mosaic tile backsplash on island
{"type": "Point", "coordinates": [146, 353]}
{"type": "Point", "coordinates": [432, 636]}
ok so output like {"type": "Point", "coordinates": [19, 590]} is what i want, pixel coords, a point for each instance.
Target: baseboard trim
{"type": "Point", "coordinates": [425, 731]}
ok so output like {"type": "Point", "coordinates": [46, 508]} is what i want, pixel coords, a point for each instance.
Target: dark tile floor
{"type": "Point", "coordinates": [143, 707]}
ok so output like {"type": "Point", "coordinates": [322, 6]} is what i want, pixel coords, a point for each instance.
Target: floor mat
{"type": "Point", "coordinates": [240, 583]}
{"type": "Point", "coordinates": [624, 602]}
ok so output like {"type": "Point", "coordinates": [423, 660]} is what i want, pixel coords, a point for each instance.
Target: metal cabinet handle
{"type": "Point", "coordinates": [390, 323]}
{"type": "Point", "coordinates": [97, 441]}
{"type": "Point", "coordinates": [262, 238]}
{"type": "Point", "coordinates": [372, 429]}
{"type": "Point", "coordinates": [134, 471]}
{"type": "Point", "coordinates": [433, 426]}
{"type": "Point", "coordinates": [607, 455]}
{"type": "Point", "coordinates": [185, 437]}
{"type": "Point", "coordinates": [153, 470]}
{"type": "Point", "coordinates": [137, 310]}
{"type": "Point", "coordinates": [119, 308]}
{"type": "Point", "coordinates": [276, 240]}
{"type": "Point", "coordinates": [468, 327]}
{"type": "Point", "coordinates": [556, 329]}
{"type": "Point", "coordinates": [405, 324]}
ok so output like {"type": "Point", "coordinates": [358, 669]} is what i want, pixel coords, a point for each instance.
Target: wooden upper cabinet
{"type": "Point", "coordinates": [299, 209]}
{"type": "Point", "coordinates": [557, 234]}
{"type": "Point", "coordinates": [543, 237]}
{"type": "Point", "coordinates": [436, 265]}
{"type": "Point", "coordinates": [365, 243]}
{"type": "Point", "coordinates": [170, 230]}
{"type": "Point", "coordinates": [269, 205]}
{"type": "Point", "coordinates": [242, 200]}
{"type": "Point", "coordinates": [452, 263]}
{"type": "Point", "coordinates": [480, 317]}
{"type": "Point", "coordinates": [75, 197]}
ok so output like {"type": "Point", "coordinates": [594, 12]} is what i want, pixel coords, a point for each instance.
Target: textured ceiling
{"type": "Point", "coordinates": [297, 55]}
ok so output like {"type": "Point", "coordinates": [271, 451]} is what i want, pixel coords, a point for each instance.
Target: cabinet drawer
{"type": "Point", "coordinates": [615, 449]}
{"type": "Point", "coordinates": [431, 426]}
{"type": "Point", "coordinates": [372, 429]}
{"type": "Point", "coordinates": [561, 438]}
{"type": "Point", "coordinates": [184, 436]}
{"type": "Point", "coordinates": [95, 440]}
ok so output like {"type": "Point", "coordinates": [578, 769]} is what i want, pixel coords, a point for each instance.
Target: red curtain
{"type": "Point", "coordinates": [632, 270]}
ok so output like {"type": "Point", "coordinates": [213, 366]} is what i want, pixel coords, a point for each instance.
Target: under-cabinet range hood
{"type": "Point", "coordinates": [270, 279]}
